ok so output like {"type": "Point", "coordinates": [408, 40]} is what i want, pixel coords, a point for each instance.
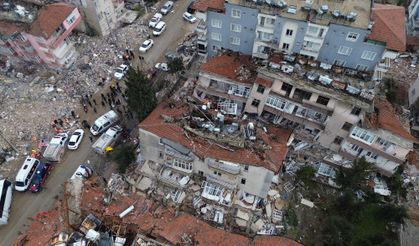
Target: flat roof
{"type": "Point", "coordinates": [362, 8]}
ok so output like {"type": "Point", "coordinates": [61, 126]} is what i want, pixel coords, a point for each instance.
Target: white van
{"type": "Point", "coordinates": [104, 122]}
{"type": "Point", "coordinates": [159, 28]}
{"type": "Point", "coordinates": [5, 200]}
{"type": "Point", "coordinates": [26, 173]}
{"type": "Point", "coordinates": [107, 139]}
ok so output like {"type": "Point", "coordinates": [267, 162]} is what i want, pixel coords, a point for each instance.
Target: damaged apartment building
{"type": "Point", "coordinates": [329, 106]}
{"type": "Point", "coordinates": [223, 165]}
{"type": "Point", "coordinates": [40, 37]}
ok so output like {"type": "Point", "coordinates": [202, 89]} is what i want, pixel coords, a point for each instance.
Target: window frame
{"type": "Point", "coordinates": [239, 29]}
{"type": "Point", "coordinates": [215, 22]}
{"type": "Point", "coordinates": [289, 32]}
{"type": "Point", "coordinates": [338, 140]}
{"type": "Point", "coordinates": [346, 126]}
{"type": "Point", "coordinates": [349, 36]}
{"type": "Point", "coordinates": [233, 38]}
{"type": "Point", "coordinates": [324, 99]}
{"type": "Point", "coordinates": [365, 55]}
{"type": "Point", "coordinates": [255, 102]}
{"type": "Point", "coordinates": [260, 89]}
{"type": "Point", "coordinates": [348, 50]}
{"type": "Point", "coordinates": [215, 39]}
{"type": "Point", "coordinates": [236, 15]}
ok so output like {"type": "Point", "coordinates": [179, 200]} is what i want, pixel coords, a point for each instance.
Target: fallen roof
{"type": "Point", "coordinates": [235, 66]}
{"type": "Point", "coordinates": [49, 18]}
{"type": "Point", "coordinates": [389, 26]}
{"type": "Point", "coordinates": [385, 118]}
{"type": "Point", "coordinates": [271, 159]}
{"type": "Point", "coordinates": [8, 28]}
{"type": "Point", "coordinates": [204, 5]}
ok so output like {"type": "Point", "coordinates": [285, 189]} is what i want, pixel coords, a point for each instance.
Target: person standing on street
{"type": "Point", "coordinates": [91, 138]}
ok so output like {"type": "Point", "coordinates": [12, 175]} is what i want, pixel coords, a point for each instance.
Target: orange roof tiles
{"type": "Point", "coordinates": [8, 28]}
{"type": "Point", "coordinates": [271, 159]}
{"type": "Point", "coordinates": [389, 26]}
{"type": "Point", "coordinates": [386, 119]}
{"type": "Point", "coordinates": [229, 66]}
{"type": "Point", "coordinates": [49, 18]}
{"type": "Point", "coordinates": [204, 5]}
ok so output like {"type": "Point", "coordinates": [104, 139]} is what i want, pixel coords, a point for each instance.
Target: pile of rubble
{"type": "Point", "coordinates": [31, 97]}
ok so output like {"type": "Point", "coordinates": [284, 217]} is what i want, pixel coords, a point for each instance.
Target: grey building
{"type": "Point", "coordinates": [331, 32]}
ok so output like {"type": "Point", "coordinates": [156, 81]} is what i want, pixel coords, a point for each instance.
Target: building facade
{"type": "Point", "coordinates": [413, 19]}
{"type": "Point", "coordinates": [44, 41]}
{"type": "Point", "coordinates": [321, 31]}
{"type": "Point", "coordinates": [327, 109]}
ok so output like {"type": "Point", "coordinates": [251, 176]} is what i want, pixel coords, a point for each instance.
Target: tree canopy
{"type": "Point", "coordinates": [175, 65]}
{"type": "Point", "coordinates": [141, 95]}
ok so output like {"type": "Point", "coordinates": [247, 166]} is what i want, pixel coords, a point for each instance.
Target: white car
{"type": "Point", "coordinates": [162, 66]}
{"type": "Point", "coordinates": [159, 28]}
{"type": "Point", "coordinates": [166, 7]}
{"type": "Point", "coordinates": [146, 45]}
{"type": "Point", "coordinates": [155, 19]}
{"type": "Point", "coordinates": [189, 18]}
{"type": "Point", "coordinates": [75, 139]}
{"type": "Point", "coordinates": [121, 71]}
{"type": "Point", "coordinates": [83, 172]}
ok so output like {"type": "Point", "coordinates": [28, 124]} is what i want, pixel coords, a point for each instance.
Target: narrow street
{"type": "Point", "coordinates": [26, 205]}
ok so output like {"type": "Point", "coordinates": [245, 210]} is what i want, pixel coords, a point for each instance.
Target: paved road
{"type": "Point", "coordinates": [26, 205]}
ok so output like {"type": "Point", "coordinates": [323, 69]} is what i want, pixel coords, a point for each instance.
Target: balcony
{"type": "Point", "coordinates": [173, 178]}
{"type": "Point", "coordinates": [214, 192]}
{"type": "Point", "coordinates": [231, 91]}
{"type": "Point", "coordinates": [260, 55]}
{"type": "Point", "coordinates": [224, 166]}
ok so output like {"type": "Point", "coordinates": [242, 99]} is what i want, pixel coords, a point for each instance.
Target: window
{"type": "Point", "coordinates": [288, 32]}
{"type": "Point", "coordinates": [286, 87]}
{"type": "Point", "coordinates": [322, 100]}
{"type": "Point", "coordinates": [338, 140]}
{"type": "Point", "coordinates": [270, 21]}
{"type": "Point", "coordinates": [243, 181]}
{"type": "Point", "coordinates": [340, 63]}
{"type": "Point", "coordinates": [235, 13]}
{"type": "Point", "coordinates": [262, 21]}
{"type": "Point", "coordinates": [216, 23]}
{"type": "Point", "coordinates": [383, 142]}
{"type": "Point", "coordinates": [352, 36]}
{"type": "Point", "coordinates": [182, 164]}
{"type": "Point", "coordinates": [363, 135]}
{"type": "Point", "coordinates": [255, 102]}
{"type": "Point", "coordinates": [343, 50]}
{"type": "Point", "coordinates": [246, 168]}
{"type": "Point", "coordinates": [347, 126]}
{"type": "Point", "coordinates": [361, 67]}
{"type": "Point", "coordinates": [215, 48]}
{"type": "Point", "coordinates": [200, 173]}
{"type": "Point", "coordinates": [285, 46]}
{"type": "Point", "coordinates": [260, 89]}
{"type": "Point", "coordinates": [235, 27]}
{"type": "Point", "coordinates": [313, 29]}
{"type": "Point", "coordinates": [371, 155]}
{"type": "Point", "coordinates": [368, 55]}
{"type": "Point", "coordinates": [356, 111]}
{"type": "Point", "coordinates": [235, 40]}
{"type": "Point", "coordinates": [216, 36]}
{"type": "Point", "coordinates": [280, 104]}
{"type": "Point", "coordinates": [217, 173]}
{"type": "Point", "coordinates": [161, 155]}
{"type": "Point", "coordinates": [71, 19]}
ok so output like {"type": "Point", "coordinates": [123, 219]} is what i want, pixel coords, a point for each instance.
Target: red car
{"type": "Point", "coordinates": [41, 174]}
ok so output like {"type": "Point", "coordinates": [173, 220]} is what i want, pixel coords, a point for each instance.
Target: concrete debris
{"type": "Point", "coordinates": [116, 184]}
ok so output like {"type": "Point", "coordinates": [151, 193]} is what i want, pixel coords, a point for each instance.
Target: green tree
{"type": "Point", "coordinates": [354, 178]}
{"type": "Point", "coordinates": [337, 231]}
{"type": "Point", "coordinates": [175, 65]}
{"type": "Point", "coordinates": [395, 183]}
{"type": "Point", "coordinates": [123, 155]}
{"type": "Point", "coordinates": [141, 95]}
{"type": "Point", "coordinates": [305, 175]}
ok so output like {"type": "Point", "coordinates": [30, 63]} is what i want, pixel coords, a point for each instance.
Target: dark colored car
{"type": "Point", "coordinates": [41, 174]}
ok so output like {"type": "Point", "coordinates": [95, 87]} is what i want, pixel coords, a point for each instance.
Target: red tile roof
{"type": "Point", "coordinates": [389, 26]}
{"type": "Point", "coordinates": [270, 159]}
{"type": "Point", "coordinates": [49, 18]}
{"type": "Point", "coordinates": [385, 118]}
{"type": "Point", "coordinates": [8, 28]}
{"type": "Point", "coordinates": [265, 82]}
{"type": "Point", "coordinates": [204, 5]}
{"type": "Point", "coordinates": [235, 67]}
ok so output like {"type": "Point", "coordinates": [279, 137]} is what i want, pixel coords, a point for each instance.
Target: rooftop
{"type": "Point", "coordinates": [196, 129]}
{"type": "Point", "coordinates": [355, 13]}
{"type": "Point", "coordinates": [8, 28]}
{"type": "Point", "coordinates": [389, 26]}
{"type": "Point", "coordinates": [49, 18]}
{"type": "Point", "coordinates": [204, 5]}
{"type": "Point", "coordinates": [385, 118]}
{"type": "Point", "coordinates": [234, 66]}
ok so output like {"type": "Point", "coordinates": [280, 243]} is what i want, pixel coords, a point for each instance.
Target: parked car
{"type": "Point", "coordinates": [155, 19]}
{"type": "Point", "coordinates": [41, 175]}
{"type": "Point", "coordinates": [6, 191]}
{"type": "Point", "coordinates": [166, 7]}
{"type": "Point", "coordinates": [159, 28]}
{"type": "Point", "coordinates": [162, 66]}
{"type": "Point", "coordinates": [25, 174]}
{"type": "Point", "coordinates": [146, 45]}
{"type": "Point", "coordinates": [75, 139]}
{"type": "Point", "coordinates": [121, 71]}
{"type": "Point", "coordinates": [56, 147]}
{"type": "Point", "coordinates": [104, 122]}
{"type": "Point", "coordinates": [83, 172]}
{"type": "Point", "coordinates": [170, 56]}
{"type": "Point", "coordinates": [190, 8]}
{"type": "Point", "coordinates": [107, 139]}
{"type": "Point", "coordinates": [189, 18]}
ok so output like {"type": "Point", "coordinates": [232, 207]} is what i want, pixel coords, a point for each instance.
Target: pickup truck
{"type": "Point", "coordinates": [56, 147]}
{"type": "Point", "coordinates": [107, 139]}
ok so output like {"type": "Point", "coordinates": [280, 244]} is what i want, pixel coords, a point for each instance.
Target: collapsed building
{"type": "Point", "coordinates": [328, 105]}
{"type": "Point", "coordinates": [43, 39]}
